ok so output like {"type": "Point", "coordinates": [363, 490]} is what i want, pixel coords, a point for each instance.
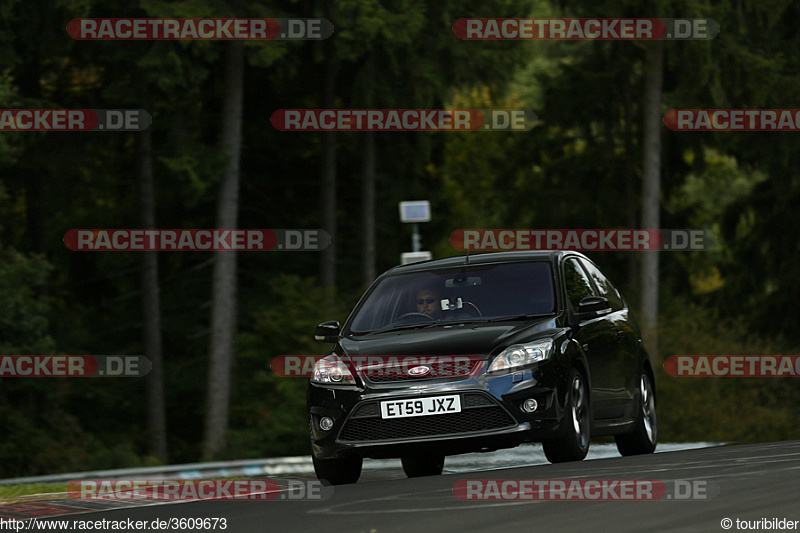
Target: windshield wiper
{"type": "Point", "coordinates": [475, 320]}
{"type": "Point", "coordinates": [520, 317]}
{"type": "Point", "coordinates": [407, 326]}
{"type": "Point", "coordinates": [451, 322]}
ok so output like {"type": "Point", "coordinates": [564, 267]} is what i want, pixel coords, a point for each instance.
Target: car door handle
{"type": "Point", "coordinates": [619, 334]}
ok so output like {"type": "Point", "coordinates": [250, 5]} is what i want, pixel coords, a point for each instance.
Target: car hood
{"type": "Point", "coordinates": [483, 339]}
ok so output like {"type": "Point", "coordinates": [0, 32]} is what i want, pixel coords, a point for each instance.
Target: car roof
{"type": "Point", "coordinates": [485, 258]}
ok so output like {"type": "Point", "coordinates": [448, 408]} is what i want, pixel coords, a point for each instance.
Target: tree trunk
{"type": "Point", "coordinates": [151, 306]}
{"type": "Point", "coordinates": [366, 91]}
{"type": "Point", "coordinates": [328, 255]}
{"type": "Point", "coordinates": [368, 209]}
{"type": "Point", "coordinates": [651, 191]}
{"type": "Point", "coordinates": [35, 172]}
{"type": "Point", "coordinates": [223, 308]}
{"type": "Point", "coordinates": [630, 194]}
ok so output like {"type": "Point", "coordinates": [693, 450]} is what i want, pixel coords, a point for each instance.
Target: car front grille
{"type": "Point", "coordinates": [479, 413]}
{"type": "Point", "coordinates": [399, 378]}
{"type": "Point", "coordinates": [395, 374]}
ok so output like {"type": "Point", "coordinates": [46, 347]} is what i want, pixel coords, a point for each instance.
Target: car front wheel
{"type": "Point", "coordinates": [573, 445]}
{"type": "Point", "coordinates": [644, 437]}
{"type": "Point", "coordinates": [421, 466]}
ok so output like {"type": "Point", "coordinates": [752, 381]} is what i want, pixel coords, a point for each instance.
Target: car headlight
{"type": "Point", "coordinates": [521, 355]}
{"type": "Point", "coordinates": [332, 371]}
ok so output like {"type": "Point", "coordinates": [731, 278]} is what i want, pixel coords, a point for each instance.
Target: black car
{"type": "Point", "coordinates": [561, 357]}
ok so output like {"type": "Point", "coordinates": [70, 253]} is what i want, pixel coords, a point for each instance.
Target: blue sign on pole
{"type": "Point", "coordinates": [415, 211]}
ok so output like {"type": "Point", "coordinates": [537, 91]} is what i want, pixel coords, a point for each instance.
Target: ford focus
{"type": "Point", "coordinates": [479, 353]}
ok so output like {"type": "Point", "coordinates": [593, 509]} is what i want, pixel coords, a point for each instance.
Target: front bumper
{"type": "Point", "coordinates": [491, 417]}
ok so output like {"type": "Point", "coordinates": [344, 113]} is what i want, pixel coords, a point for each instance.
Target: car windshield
{"type": "Point", "coordinates": [466, 293]}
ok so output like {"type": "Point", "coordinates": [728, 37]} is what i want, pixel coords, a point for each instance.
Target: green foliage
{"type": "Point", "coordinates": [477, 174]}
{"type": "Point", "coordinates": [28, 445]}
{"type": "Point", "coordinates": [722, 409]}
{"type": "Point", "coordinates": [13, 493]}
{"type": "Point", "coordinates": [40, 436]}
{"type": "Point", "coordinates": [23, 310]}
{"type": "Point", "coordinates": [9, 145]}
{"type": "Point", "coordinates": [41, 433]}
{"type": "Point", "coordinates": [23, 315]}
{"type": "Point", "coordinates": [268, 412]}
{"type": "Point", "coordinates": [701, 201]}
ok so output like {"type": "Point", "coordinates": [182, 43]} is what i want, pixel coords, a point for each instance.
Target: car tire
{"type": "Point", "coordinates": [418, 466]}
{"type": "Point", "coordinates": [573, 444]}
{"type": "Point", "coordinates": [342, 471]}
{"type": "Point", "coordinates": [644, 438]}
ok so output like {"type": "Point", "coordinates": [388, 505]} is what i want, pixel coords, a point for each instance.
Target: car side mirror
{"type": "Point", "coordinates": [327, 331]}
{"type": "Point", "coordinates": [592, 307]}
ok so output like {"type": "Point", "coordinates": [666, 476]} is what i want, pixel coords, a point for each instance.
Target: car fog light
{"type": "Point", "coordinates": [530, 405]}
{"type": "Point", "coordinates": [325, 423]}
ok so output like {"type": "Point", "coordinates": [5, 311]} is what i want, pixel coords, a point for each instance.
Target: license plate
{"type": "Point", "coordinates": [434, 405]}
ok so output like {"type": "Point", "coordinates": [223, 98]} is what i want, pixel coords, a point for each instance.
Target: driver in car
{"type": "Point", "coordinates": [428, 302]}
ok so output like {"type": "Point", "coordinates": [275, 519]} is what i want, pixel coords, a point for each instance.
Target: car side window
{"type": "Point", "coordinates": [576, 283]}
{"type": "Point", "coordinates": [604, 287]}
